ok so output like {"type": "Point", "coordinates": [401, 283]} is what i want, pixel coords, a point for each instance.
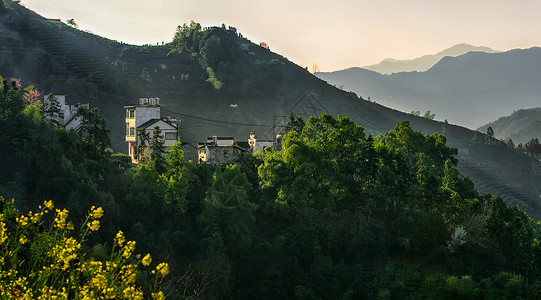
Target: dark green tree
{"type": "Point", "coordinates": [51, 111]}
{"type": "Point", "coordinates": [157, 150]}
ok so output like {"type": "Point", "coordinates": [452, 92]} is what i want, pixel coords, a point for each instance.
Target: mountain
{"type": "Point", "coordinates": [425, 62]}
{"type": "Point", "coordinates": [472, 89]}
{"type": "Point", "coordinates": [521, 126]}
{"type": "Point", "coordinates": [222, 84]}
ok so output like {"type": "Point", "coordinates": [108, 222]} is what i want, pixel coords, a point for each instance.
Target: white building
{"type": "Point", "coordinates": [143, 118]}
{"type": "Point", "coordinates": [258, 145]}
{"type": "Point", "coordinates": [63, 114]}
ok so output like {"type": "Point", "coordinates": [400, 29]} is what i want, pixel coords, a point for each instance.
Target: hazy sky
{"type": "Point", "coordinates": [336, 34]}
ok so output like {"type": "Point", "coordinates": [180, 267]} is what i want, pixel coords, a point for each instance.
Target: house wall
{"type": "Point", "coordinates": [145, 113]}
{"type": "Point", "coordinates": [164, 127]}
{"type": "Point", "coordinates": [261, 145]}
{"type": "Point", "coordinates": [74, 124]}
{"type": "Point", "coordinates": [221, 155]}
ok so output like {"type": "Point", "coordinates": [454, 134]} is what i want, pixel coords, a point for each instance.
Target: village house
{"type": "Point", "coordinates": [258, 145]}
{"type": "Point", "coordinates": [62, 114]}
{"type": "Point", "coordinates": [220, 150]}
{"type": "Point", "coordinates": [142, 119]}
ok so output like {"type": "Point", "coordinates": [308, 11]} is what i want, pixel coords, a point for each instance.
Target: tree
{"type": "Point", "coordinates": [51, 111]}
{"type": "Point", "coordinates": [315, 68]}
{"type": "Point", "coordinates": [187, 37]}
{"type": "Point", "coordinates": [94, 132]}
{"type": "Point", "coordinates": [157, 150]}
{"type": "Point", "coordinates": [490, 132]}
{"type": "Point", "coordinates": [429, 115]}
{"type": "Point", "coordinates": [72, 23]}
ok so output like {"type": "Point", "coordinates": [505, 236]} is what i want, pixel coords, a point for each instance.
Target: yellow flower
{"type": "Point", "coordinates": [146, 260]}
{"type": "Point", "coordinates": [94, 225]}
{"type": "Point", "coordinates": [162, 269]}
{"type": "Point", "coordinates": [35, 218]}
{"type": "Point", "coordinates": [22, 220]}
{"type": "Point", "coordinates": [129, 292]}
{"type": "Point", "coordinates": [96, 213]}
{"type": "Point", "coordinates": [158, 296]}
{"type": "Point", "coordinates": [49, 204]}
{"type": "Point", "coordinates": [23, 240]}
{"type": "Point", "coordinates": [99, 281]}
{"type": "Point", "coordinates": [69, 226]}
{"type": "Point", "coordinates": [60, 220]}
{"type": "Point", "coordinates": [110, 293]}
{"type": "Point", "coordinates": [120, 238]}
{"type": "Point", "coordinates": [3, 230]}
{"type": "Point", "coordinates": [128, 249]}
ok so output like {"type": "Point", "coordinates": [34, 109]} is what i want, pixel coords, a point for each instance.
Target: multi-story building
{"type": "Point", "coordinates": [141, 120]}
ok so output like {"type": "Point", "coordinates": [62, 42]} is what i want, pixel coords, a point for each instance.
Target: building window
{"type": "Point", "coordinates": [132, 131]}
{"type": "Point", "coordinates": [127, 128]}
{"type": "Point", "coordinates": [170, 135]}
{"type": "Point", "coordinates": [130, 113]}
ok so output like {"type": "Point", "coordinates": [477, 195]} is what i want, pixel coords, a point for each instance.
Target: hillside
{"type": "Point", "coordinates": [521, 126]}
{"type": "Point", "coordinates": [489, 85]}
{"type": "Point", "coordinates": [425, 62]}
{"type": "Point", "coordinates": [256, 84]}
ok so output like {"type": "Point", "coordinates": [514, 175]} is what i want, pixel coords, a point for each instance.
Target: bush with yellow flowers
{"type": "Point", "coordinates": [39, 261]}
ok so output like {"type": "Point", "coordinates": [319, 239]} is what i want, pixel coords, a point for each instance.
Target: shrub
{"type": "Point", "coordinates": [44, 261]}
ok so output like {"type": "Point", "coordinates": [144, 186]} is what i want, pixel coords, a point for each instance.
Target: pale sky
{"type": "Point", "coordinates": [334, 34]}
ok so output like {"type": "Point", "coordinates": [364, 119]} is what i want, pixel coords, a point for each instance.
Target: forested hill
{"type": "Point", "coordinates": [220, 83]}
{"type": "Point", "coordinates": [521, 126]}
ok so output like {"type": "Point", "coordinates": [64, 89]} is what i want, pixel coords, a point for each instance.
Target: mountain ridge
{"type": "Point", "coordinates": [484, 82]}
{"type": "Point", "coordinates": [425, 62]}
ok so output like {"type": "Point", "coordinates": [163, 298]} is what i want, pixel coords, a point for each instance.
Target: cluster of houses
{"type": "Point", "coordinates": [143, 118]}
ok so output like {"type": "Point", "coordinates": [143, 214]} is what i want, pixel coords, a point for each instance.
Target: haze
{"type": "Point", "coordinates": [335, 34]}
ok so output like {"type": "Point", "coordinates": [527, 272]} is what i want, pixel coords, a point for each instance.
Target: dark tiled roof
{"type": "Point", "coordinates": [151, 122]}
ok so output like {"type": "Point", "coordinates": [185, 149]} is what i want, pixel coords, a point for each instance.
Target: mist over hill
{"type": "Point", "coordinates": [222, 84]}
{"type": "Point", "coordinates": [521, 126]}
{"type": "Point", "coordinates": [425, 62]}
{"type": "Point", "coordinates": [472, 89]}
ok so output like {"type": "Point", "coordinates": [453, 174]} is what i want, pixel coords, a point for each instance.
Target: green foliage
{"type": "Point", "coordinates": [217, 84]}
{"type": "Point", "coordinates": [187, 37]}
{"type": "Point", "coordinates": [429, 115]}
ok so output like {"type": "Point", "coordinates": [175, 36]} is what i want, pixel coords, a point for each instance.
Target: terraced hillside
{"type": "Point", "coordinates": [258, 86]}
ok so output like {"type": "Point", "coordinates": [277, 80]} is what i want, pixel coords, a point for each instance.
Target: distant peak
{"type": "Point", "coordinates": [425, 62]}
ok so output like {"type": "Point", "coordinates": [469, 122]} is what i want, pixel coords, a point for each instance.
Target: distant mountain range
{"type": "Point", "coordinates": [472, 89]}
{"type": "Point", "coordinates": [222, 84]}
{"type": "Point", "coordinates": [521, 126]}
{"type": "Point", "coordinates": [425, 62]}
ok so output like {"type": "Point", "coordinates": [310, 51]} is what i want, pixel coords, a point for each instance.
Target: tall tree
{"type": "Point", "coordinates": [52, 111]}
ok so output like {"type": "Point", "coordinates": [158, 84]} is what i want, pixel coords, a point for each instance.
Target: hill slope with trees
{"type": "Point", "coordinates": [222, 84]}
{"type": "Point", "coordinates": [521, 126]}
{"type": "Point", "coordinates": [337, 214]}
